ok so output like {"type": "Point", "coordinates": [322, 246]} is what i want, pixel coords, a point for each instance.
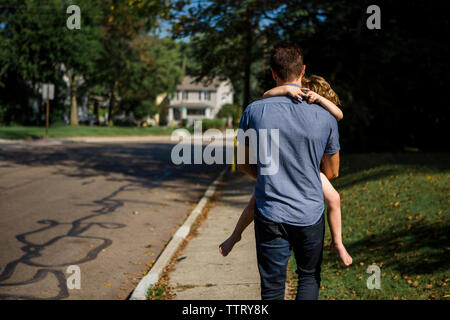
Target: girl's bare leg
{"type": "Point", "coordinates": [333, 202]}
{"type": "Point", "coordinates": [245, 219]}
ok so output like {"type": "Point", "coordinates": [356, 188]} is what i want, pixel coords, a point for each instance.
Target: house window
{"type": "Point", "coordinates": [185, 95]}
{"type": "Point", "coordinates": [176, 95]}
{"type": "Point", "coordinates": [204, 95]}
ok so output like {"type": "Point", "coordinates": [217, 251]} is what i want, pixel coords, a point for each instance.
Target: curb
{"type": "Point", "coordinates": [152, 277]}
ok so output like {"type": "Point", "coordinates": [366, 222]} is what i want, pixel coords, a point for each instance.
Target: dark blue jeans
{"type": "Point", "coordinates": [274, 242]}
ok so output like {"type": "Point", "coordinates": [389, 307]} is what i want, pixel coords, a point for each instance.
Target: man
{"type": "Point", "coordinates": [289, 212]}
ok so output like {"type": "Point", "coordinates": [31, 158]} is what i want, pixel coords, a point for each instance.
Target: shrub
{"type": "Point", "coordinates": [231, 110]}
{"type": "Point", "coordinates": [213, 123]}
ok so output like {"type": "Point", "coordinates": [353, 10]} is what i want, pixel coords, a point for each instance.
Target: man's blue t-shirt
{"type": "Point", "coordinates": [293, 194]}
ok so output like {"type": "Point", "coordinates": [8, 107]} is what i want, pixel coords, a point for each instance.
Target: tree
{"type": "Point", "coordinates": [227, 37]}
{"type": "Point", "coordinates": [38, 47]}
{"type": "Point", "coordinates": [123, 21]}
{"type": "Point", "coordinates": [377, 73]}
{"type": "Point", "coordinates": [154, 68]}
{"type": "Point", "coordinates": [232, 111]}
{"type": "Point", "coordinates": [80, 50]}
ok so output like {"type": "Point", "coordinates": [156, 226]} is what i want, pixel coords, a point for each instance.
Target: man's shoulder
{"type": "Point", "coordinates": [315, 108]}
{"type": "Point", "coordinates": [322, 112]}
{"type": "Point", "coordinates": [267, 101]}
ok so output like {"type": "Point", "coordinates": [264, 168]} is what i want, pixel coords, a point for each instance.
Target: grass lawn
{"type": "Point", "coordinates": [395, 216]}
{"type": "Point", "coordinates": [62, 131]}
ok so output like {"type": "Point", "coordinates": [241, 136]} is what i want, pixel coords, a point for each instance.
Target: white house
{"type": "Point", "coordinates": [199, 100]}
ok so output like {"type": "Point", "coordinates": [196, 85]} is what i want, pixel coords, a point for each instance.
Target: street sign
{"type": "Point", "coordinates": [48, 91]}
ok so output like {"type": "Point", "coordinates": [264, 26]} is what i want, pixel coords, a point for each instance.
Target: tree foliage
{"type": "Point", "coordinates": [378, 74]}
{"type": "Point", "coordinates": [226, 37]}
{"type": "Point", "coordinates": [36, 47]}
{"type": "Point", "coordinates": [110, 55]}
{"type": "Point", "coordinates": [155, 69]}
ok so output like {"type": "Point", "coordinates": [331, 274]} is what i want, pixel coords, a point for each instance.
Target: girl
{"type": "Point", "coordinates": [316, 90]}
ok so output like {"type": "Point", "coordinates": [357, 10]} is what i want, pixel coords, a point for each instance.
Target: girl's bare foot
{"type": "Point", "coordinates": [343, 254]}
{"type": "Point", "coordinates": [228, 244]}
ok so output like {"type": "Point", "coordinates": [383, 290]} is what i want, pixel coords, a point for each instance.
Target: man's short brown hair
{"type": "Point", "coordinates": [287, 61]}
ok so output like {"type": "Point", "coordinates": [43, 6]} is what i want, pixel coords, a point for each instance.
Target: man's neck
{"type": "Point", "coordinates": [282, 83]}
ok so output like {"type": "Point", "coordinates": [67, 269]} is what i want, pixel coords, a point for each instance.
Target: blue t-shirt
{"type": "Point", "coordinates": [293, 193]}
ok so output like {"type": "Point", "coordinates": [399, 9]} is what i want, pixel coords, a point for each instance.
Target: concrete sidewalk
{"type": "Point", "coordinates": [202, 272]}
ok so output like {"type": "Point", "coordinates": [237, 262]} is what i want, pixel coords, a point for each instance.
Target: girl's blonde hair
{"type": "Point", "coordinates": [321, 87]}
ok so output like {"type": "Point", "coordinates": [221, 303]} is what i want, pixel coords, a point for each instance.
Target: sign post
{"type": "Point", "coordinates": [48, 93]}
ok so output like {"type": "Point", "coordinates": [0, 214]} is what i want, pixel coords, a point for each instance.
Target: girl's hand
{"type": "Point", "coordinates": [295, 92]}
{"type": "Point", "coordinates": [311, 96]}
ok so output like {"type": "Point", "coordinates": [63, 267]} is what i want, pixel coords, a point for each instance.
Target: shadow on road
{"type": "Point", "coordinates": [135, 166]}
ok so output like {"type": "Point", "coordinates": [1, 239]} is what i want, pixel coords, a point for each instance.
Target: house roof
{"type": "Point", "coordinates": [189, 83]}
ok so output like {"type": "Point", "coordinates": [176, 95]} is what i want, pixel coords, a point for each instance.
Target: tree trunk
{"type": "Point", "coordinates": [97, 118]}
{"type": "Point", "coordinates": [111, 107]}
{"type": "Point", "coordinates": [73, 101]}
{"type": "Point", "coordinates": [246, 100]}
{"type": "Point", "coordinates": [247, 60]}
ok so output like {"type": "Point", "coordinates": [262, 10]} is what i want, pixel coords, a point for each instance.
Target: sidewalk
{"type": "Point", "coordinates": [203, 273]}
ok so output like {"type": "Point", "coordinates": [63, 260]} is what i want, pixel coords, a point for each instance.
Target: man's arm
{"type": "Point", "coordinates": [330, 165]}
{"type": "Point", "coordinates": [247, 168]}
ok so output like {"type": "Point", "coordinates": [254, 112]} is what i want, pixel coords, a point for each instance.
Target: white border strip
{"type": "Point", "coordinates": [152, 277]}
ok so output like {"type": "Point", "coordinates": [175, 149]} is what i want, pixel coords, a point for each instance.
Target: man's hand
{"type": "Point", "coordinates": [330, 165]}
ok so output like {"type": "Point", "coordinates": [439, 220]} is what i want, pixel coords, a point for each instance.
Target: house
{"type": "Point", "coordinates": [198, 100]}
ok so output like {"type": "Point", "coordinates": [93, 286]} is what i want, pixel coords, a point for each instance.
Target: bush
{"type": "Point", "coordinates": [231, 110]}
{"type": "Point", "coordinates": [213, 124]}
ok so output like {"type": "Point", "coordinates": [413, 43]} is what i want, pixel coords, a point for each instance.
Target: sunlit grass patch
{"type": "Point", "coordinates": [63, 131]}
{"type": "Point", "coordinates": [395, 216]}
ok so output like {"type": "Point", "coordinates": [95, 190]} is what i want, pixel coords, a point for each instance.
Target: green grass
{"type": "Point", "coordinates": [157, 292]}
{"type": "Point", "coordinates": [395, 215]}
{"type": "Point", "coordinates": [63, 131]}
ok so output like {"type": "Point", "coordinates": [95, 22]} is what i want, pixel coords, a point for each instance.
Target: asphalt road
{"type": "Point", "coordinates": [107, 208]}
